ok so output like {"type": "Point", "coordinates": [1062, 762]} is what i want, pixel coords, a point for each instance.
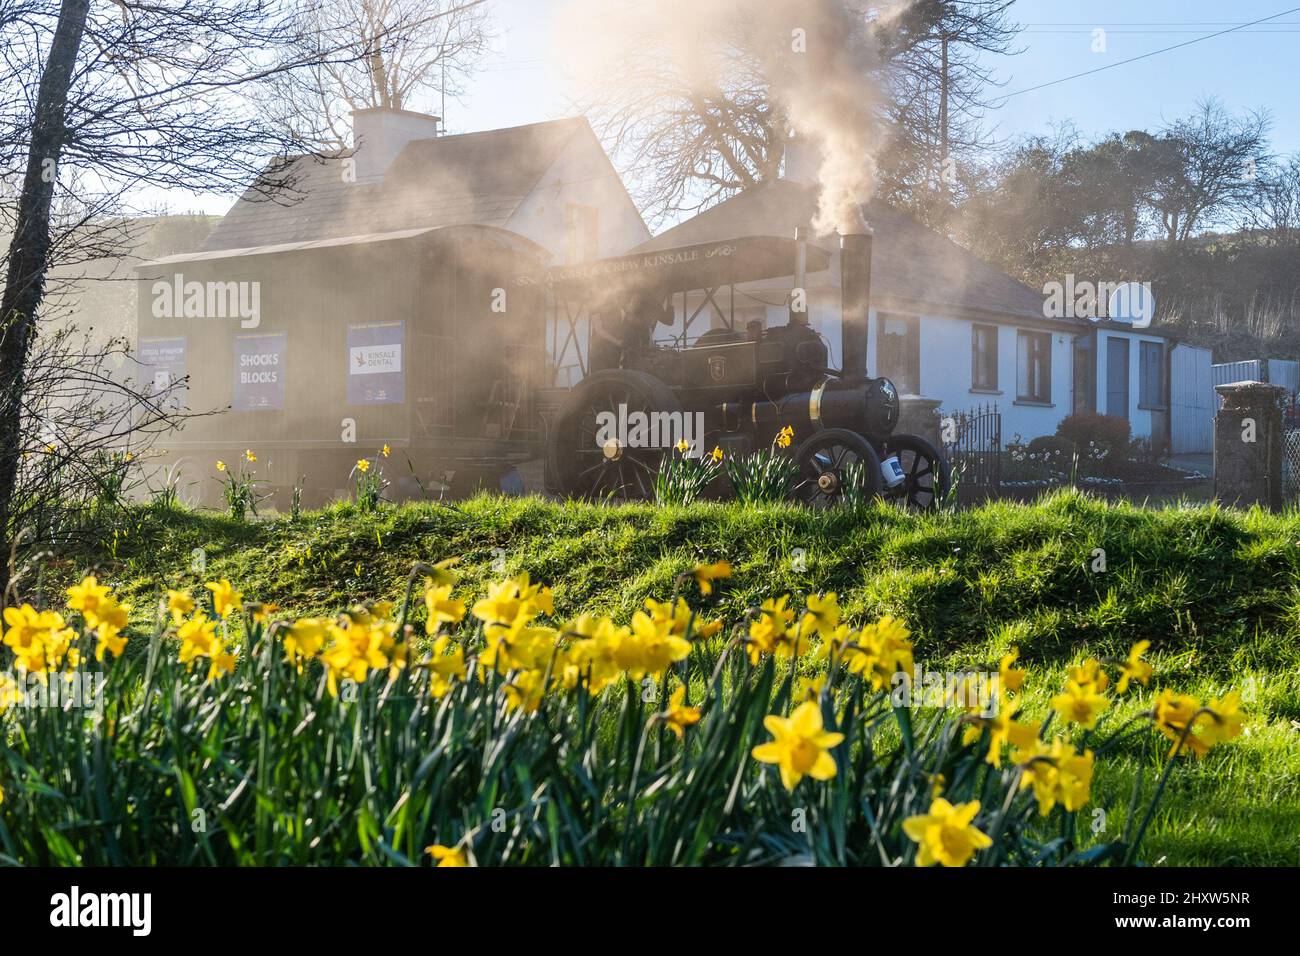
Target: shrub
{"type": "Point", "coordinates": [1089, 431]}
{"type": "Point", "coordinates": [1053, 449]}
{"type": "Point", "coordinates": [681, 479]}
{"type": "Point", "coordinates": [765, 476]}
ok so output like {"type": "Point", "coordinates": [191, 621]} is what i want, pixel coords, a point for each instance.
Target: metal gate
{"type": "Point", "coordinates": [973, 444]}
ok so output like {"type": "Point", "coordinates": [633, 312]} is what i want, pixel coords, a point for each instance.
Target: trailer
{"type": "Point", "coordinates": [316, 354]}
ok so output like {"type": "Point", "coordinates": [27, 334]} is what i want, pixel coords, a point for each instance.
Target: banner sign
{"type": "Point", "coordinates": [162, 363]}
{"type": "Point", "coordinates": [376, 375]}
{"type": "Point", "coordinates": [259, 371]}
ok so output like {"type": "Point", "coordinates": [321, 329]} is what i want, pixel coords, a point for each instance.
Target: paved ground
{"type": "Point", "coordinates": [1202, 463]}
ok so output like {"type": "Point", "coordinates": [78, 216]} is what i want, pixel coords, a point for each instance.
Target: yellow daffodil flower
{"type": "Point", "coordinates": [442, 607]}
{"type": "Point", "coordinates": [946, 835]}
{"type": "Point", "coordinates": [801, 746]}
{"type": "Point", "coordinates": [1134, 668]}
{"type": "Point", "coordinates": [1080, 704]}
{"type": "Point", "coordinates": [447, 855]}
{"type": "Point", "coordinates": [678, 716]}
{"type": "Point", "coordinates": [706, 574]}
{"type": "Point", "coordinates": [224, 597]}
{"type": "Point", "coordinates": [179, 603]}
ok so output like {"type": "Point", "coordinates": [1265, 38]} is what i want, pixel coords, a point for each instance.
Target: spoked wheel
{"type": "Point", "coordinates": [591, 456]}
{"type": "Point", "coordinates": [926, 475]}
{"type": "Point", "coordinates": [836, 466]}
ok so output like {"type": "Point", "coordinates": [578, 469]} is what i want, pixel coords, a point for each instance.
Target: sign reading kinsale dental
{"type": "Point", "coordinates": [376, 375]}
{"type": "Point", "coordinates": [162, 362]}
{"type": "Point", "coordinates": [259, 371]}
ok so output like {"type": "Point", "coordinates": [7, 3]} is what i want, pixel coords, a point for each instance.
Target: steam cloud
{"type": "Point", "coordinates": [818, 60]}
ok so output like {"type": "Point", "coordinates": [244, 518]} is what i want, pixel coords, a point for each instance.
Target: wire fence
{"type": "Point", "coordinates": [1291, 463]}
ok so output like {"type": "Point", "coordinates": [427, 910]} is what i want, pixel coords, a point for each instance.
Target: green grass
{"type": "Point", "coordinates": [1217, 592]}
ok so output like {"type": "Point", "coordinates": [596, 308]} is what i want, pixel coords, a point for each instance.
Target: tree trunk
{"type": "Point", "coordinates": [29, 253]}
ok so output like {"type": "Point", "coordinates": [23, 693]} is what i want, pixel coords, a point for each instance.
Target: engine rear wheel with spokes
{"type": "Point", "coordinates": [836, 466]}
{"type": "Point", "coordinates": [588, 462]}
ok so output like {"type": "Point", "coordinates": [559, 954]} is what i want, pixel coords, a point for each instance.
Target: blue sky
{"type": "Point", "coordinates": [1255, 68]}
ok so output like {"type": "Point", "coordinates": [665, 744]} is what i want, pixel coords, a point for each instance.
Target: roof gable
{"type": "Point", "coordinates": [451, 180]}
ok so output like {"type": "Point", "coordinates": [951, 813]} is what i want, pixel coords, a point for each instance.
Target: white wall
{"type": "Point", "coordinates": [581, 174]}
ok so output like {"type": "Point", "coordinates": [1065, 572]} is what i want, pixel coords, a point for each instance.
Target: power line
{"type": "Point", "coordinates": [1144, 56]}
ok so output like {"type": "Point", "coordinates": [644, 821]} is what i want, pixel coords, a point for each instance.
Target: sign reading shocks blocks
{"type": "Point", "coordinates": [259, 371]}
{"type": "Point", "coordinates": [376, 373]}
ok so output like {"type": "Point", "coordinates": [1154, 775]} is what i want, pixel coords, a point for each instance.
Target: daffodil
{"type": "Point", "coordinates": [1134, 668]}
{"type": "Point", "coordinates": [385, 451]}
{"type": "Point", "coordinates": [769, 627]}
{"type": "Point", "coordinates": [1057, 772]}
{"type": "Point", "coordinates": [1080, 704]}
{"type": "Point", "coordinates": [1003, 729]}
{"type": "Point", "coordinates": [363, 465]}
{"type": "Point", "coordinates": [445, 668]}
{"type": "Point", "coordinates": [447, 855]}
{"type": "Point", "coordinates": [442, 607]}
{"type": "Point", "coordinates": [656, 646]}
{"type": "Point", "coordinates": [1209, 724]}
{"type": "Point", "coordinates": [224, 597]}
{"type": "Point", "coordinates": [111, 641]}
{"type": "Point", "coordinates": [87, 597]}
{"type": "Point", "coordinates": [221, 466]}
{"type": "Point", "coordinates": [198, 636]}
{"type": "Point", "coordinates": [220, 661]}
{"type": "Point", "coordinates": [716, 454]}
{"type": "Point", "coordinates": [1090, 674]}
{"type": "Point", "coordinates": [179, 603]}
{"type": "Point", "coordinates": [706, 574]}
{"type": "Point", "coordinates": [1009, 677]}
{"type": "Point", "coordinates": [946, 835]}
{"type": "Point", "coordinates": [304, 639]}
{"type": "Point", "coordinates": [678, 716]}
{"type": "Point", "coordinates": [785, 436]}
{"type": "Point", "coordinates": [249, 456]}
{"type": "Point", "coordinates": [801, 746]}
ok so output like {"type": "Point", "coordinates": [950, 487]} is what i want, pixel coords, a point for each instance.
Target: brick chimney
{"type": "Point", "coordinates": [379, 134]}
{"type": "Point", "coordinates": [801, 162]}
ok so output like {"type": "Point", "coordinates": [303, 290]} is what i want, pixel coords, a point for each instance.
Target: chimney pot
{"type": "Point", "coordinates": [379, 134]}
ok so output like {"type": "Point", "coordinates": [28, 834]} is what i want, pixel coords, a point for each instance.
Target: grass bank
{"type": "Point", "coordinates": [1216, 592]}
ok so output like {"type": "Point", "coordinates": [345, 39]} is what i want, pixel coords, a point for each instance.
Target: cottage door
{"type": "Point", "coordinates": [1117, 377]}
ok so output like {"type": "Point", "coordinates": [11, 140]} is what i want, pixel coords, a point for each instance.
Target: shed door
{"type": "Point", "coordinates": [1117, 377]}
{"type": "Point", "coordinates": [1191, 401]}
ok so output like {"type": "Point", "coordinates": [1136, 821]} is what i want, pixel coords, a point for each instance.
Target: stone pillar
{"type": "Point", "coordinates": [919, 416]}
{"type": "Point", "coordinates": [1248, 445]}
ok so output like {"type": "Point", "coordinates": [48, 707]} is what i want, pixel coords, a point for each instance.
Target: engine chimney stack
{"type": "Point", "coordinates": [855, 302]}
{"type": "Point", "coordinates": [799, 294]}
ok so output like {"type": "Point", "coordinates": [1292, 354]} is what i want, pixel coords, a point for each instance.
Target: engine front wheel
{"type": "Point", "coordinates": [836, 467]}
{"type": "Point", "coordinates": [926, 476]}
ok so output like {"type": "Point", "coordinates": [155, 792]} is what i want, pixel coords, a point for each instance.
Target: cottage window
{"type": "Point", "coordinates": [1034, 366]}
{"type": "Point", "coordinates": [984, 357]}
{"type": "Point", "coordinates": [898, 352]}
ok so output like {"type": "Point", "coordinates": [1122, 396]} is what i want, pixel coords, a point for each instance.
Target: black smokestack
{"type": "Point", "coordinates": [855, 301]}
{"type": "Point", "coordinates": [799, 296]}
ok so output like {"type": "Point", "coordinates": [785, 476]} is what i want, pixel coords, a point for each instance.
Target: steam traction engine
{"type": "Point", "coordinates": [744, 385]}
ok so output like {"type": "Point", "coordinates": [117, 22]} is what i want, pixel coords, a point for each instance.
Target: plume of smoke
{"type": "Point", "coordinates": [819, 60]}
